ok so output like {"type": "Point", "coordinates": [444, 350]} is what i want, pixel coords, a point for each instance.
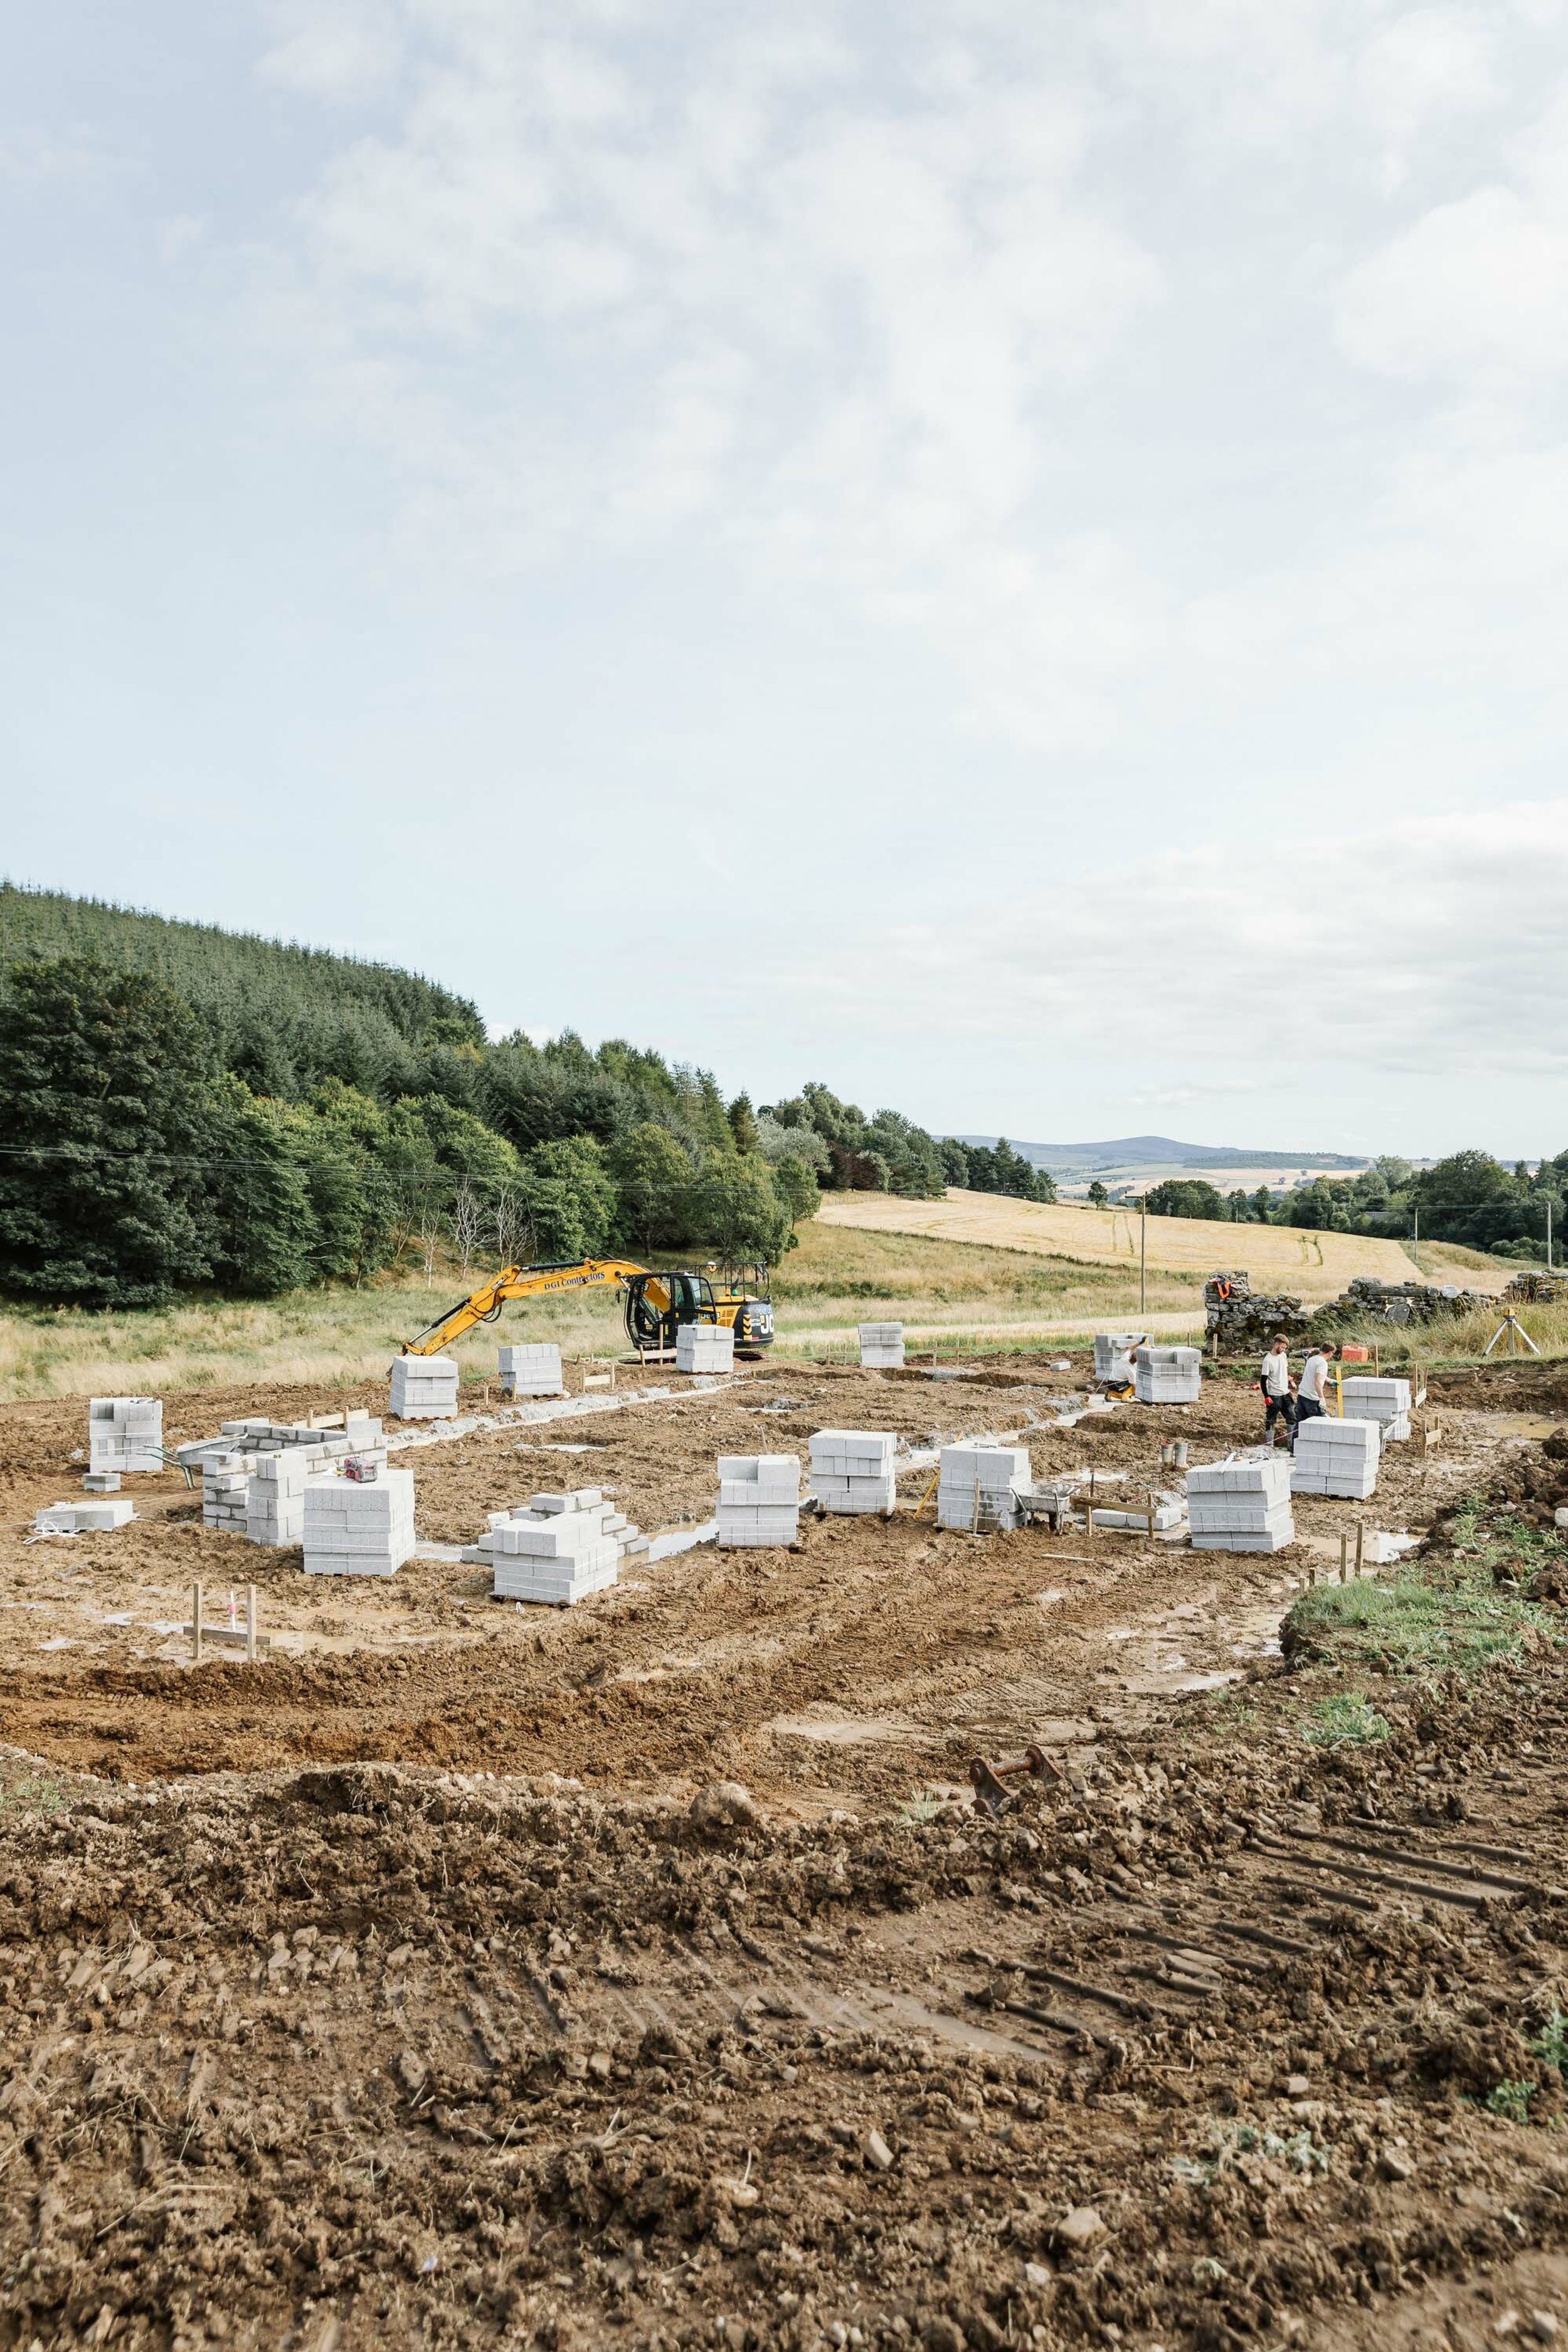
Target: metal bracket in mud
{"type": "Point", "coordinates": [989, 1781]}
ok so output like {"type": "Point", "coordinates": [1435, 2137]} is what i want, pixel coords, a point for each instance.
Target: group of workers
{"type": "Point", "coordinates": [1288, 1400]}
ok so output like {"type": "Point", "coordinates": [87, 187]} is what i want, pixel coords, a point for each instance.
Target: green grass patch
{"type": "Point", "coordinates": [1346, 1720]}
{"type": "Point", "coordinates": [1551, 2043]}
{"type": "Point", "coordinates": [1436, 1616]}
{"type": "Point", "coordinates": [1511, 2101]}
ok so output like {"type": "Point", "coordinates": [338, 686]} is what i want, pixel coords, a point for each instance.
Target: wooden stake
{"type": "Point", "coordinates": [1360, 1543]}
{"type": "Point", "coordinates": [1150, 1515]}
{"type": "Point", "coordinates": [196, 1622]}
{"type": "Point", "coordinates": [1344, 1559]}
{"type": "Point", "coordinates": [251, 1624]}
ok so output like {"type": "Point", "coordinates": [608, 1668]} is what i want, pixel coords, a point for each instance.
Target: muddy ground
{"type": "Point", "coordinates": [415, 1986]}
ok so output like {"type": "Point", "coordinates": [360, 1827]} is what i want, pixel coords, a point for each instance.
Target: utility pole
{"type": "Point", "coordinates": [1549, 1232]}
{"type": "Point", "coordinates": [1142, 1255]}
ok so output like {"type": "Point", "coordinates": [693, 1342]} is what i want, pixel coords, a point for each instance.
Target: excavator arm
{"type": "Point", "coordinates": [484, 1305]}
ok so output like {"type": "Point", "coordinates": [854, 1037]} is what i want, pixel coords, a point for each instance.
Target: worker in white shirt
{"type": "Point", "coordinates": [1278, 1389]}
{"type": "Point", "coordinates": [1309, 1403]}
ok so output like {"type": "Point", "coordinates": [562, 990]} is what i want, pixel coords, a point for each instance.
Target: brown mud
{"type": "Point", "coordinates": [425, 1985]}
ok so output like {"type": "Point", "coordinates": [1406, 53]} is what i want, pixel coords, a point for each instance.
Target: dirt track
{"type": "Point", "coordinates": [333, 2035]}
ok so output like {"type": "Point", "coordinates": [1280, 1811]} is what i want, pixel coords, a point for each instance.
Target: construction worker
{"type": "Point", "coordinates": [1310, 1405]}
{"type": "Point", "coordinates": [1278, 1389]}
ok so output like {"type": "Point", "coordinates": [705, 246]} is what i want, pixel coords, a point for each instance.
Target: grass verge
{"type": "Point", "coordinates": [1438, 1616]}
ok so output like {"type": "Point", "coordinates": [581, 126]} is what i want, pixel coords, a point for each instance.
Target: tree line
{"type": "Point", "coordinates": [1469, 1197]}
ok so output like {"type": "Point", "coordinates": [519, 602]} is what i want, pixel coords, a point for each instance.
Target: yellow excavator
{"type": "Point", "coordinates": [657, 1305]}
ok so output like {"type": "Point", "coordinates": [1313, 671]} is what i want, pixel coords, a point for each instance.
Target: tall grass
{"type": "Point", "coordinates": [955, 1296]}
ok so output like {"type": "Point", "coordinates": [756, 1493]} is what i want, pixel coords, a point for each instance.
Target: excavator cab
{"type": "Point", "coordinates": [657, 1305]}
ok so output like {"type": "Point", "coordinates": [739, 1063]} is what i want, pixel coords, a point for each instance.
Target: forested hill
{"type": "Point", "coordinates": [281, 1017]}
{"type": "Point", "coordinates": [185, 1108]}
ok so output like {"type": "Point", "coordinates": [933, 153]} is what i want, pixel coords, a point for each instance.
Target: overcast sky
{"type": "Point", "coordinates": [1011, 558]}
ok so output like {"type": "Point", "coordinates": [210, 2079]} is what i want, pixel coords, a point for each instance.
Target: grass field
{"type": "Point", "coordinates": [949, 1292]}
{"type": "Point", "coordinates": [1315, 1267]}
{"type": "Point", "coordinates": [956, 1291]}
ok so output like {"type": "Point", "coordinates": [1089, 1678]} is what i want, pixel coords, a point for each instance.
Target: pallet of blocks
{"type": "Point", "coordinates": [1386, 1401]}
{"type": "Point", "coordinates": [759, 1499]}
{"type": "Point", "coordinates": [976, 1485]}
{"type": "Point", "coordinates": [555, 1550]}
{"type": "Point", "coordinates": [533, 1370]}
{"type": "Point", "coordinates": [358, 1527]}
{"type": "Point", "coordinates": [92, 1515]}
{"type": "Point", "coordinates": [125, 1434]}
{"type": "Point", "coordinates": [881, 1346]}
{"type": "Point", "coordinates": [1168, 1508]}
{"type": "Point", "coordinates": [1168, 1375]}
{"type": "Point", "coordinates": [1113, 1355]}
{"type": "Point", "coordinates": [852, 1469]}
{"type": "Point", "coordinates": [705, 1348]}
{"type": "Point", "coordinates": [1242, 1503]}
{"type": "Point", "coordinates": [424, 1388]}
{"type": "Point", "coordinates": [1336, 1457]}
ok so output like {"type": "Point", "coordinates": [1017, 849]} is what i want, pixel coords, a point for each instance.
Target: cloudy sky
{"type": "Point", "coordinates": [1012, 558]}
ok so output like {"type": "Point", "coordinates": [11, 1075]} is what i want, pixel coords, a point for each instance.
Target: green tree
{"type": "Point", "coordinates": [742, 1123]}
{"type": "Point", "coordinates": [103, 1195]}
{"type": "Point", "coordinates": [1098, 1195]}
{"type": "Point", "coordinates": [737, 1208]}
{"type": "Point", "coordinates": [569, 1198]}
{"type": "Point", "coordinates": [653, 1176]}
{"type": "Point", "coordinates": [1184, 1196]}
{"type": "Point", "coordinates": [795, 1183]}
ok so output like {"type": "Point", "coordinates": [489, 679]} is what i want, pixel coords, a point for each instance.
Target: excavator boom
{"type": "Point", "coordinates": [520, 1281]}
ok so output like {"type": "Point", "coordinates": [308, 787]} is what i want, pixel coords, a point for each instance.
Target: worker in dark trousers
{"type": "Point", "coordinates": [1278, 1391]}
{"type": "Point", "coordinates": [1310, 1405]}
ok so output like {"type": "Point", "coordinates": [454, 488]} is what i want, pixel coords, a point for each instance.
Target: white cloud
{"type": "Point", "coordinates": [966, 340]}
{"type": "Point", "coordinates": [746, 289]}
{"type": "Point", "coordinates": [1436, 949]}
{"type": "Point", "coordinates": [1474, 289]}
{"type": "Point", "coordinates": [342, 52]}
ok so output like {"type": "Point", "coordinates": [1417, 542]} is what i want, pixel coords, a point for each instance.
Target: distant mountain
{"type": "Point", "coordinates": [1160, 1151]}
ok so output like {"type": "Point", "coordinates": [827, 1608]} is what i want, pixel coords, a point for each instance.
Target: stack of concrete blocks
{"type": "Point", "coordinates": [852, 1470]}
{"type": "Point", "coordinates": [882, 1347]}
{"type": "Point", "coordinates": [1241, 1504]}
{"type": "Point", "coordinates": [555, 1550]}
{"type": "Point", "coordinates": [125, 1434]}
{"type": "Point", "coordinates": [358, 1527]}
{"type": "Point", "coordinates": [275, 1498]}
{"type": "Point", "coordinates": [1168, 1375]}
{"type": "Point", "coordinates": [424, 1388]}
{"type": "Point", "coordinates": [1113, 1355]}
{"type": "Point", "coordinates": [225, 1491]}
{"type": "Point", "coordinates": [976, 1485]}
{"type": "Point", "coordinates": [1336, 1457]}
{"type": "Point", "coordinates": [1386, 1401]}
{"type": "Point", "coordinates": [96, 1515]}
{"type": "Point", "coordinates": [253, 1472]}
{"type": "Point", "coordinates": [532, 1369]}
{"type": "Point", "coordinates": [759, 1499]}
{"type": "Point", "coordinates": [705, 1348]}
